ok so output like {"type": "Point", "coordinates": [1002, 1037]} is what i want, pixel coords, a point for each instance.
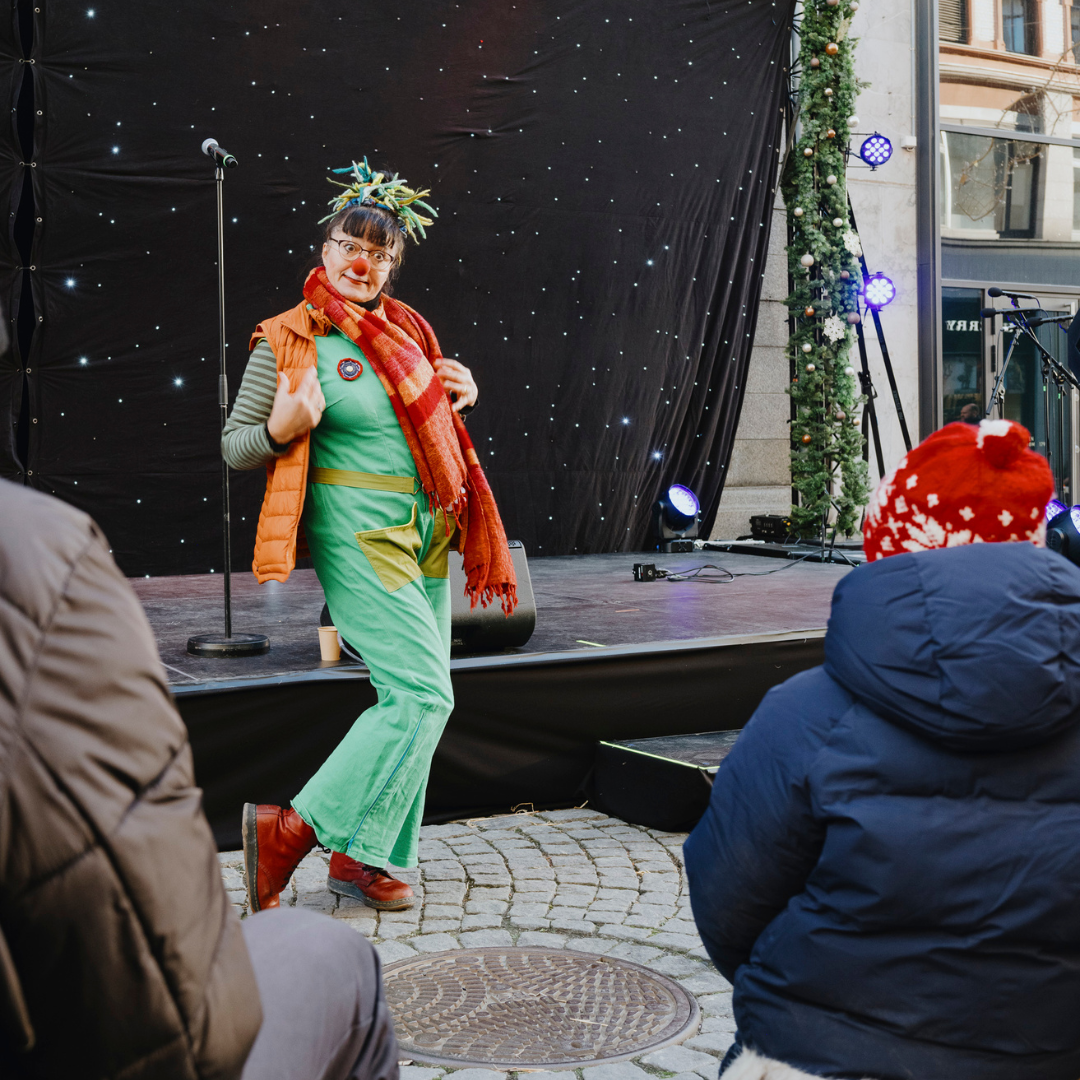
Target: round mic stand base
{"type": "Point", "coordinates": [218, 645]}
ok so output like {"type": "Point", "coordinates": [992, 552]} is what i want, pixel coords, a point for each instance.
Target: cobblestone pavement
{"type": "Point", "coordinates": [565, 879]}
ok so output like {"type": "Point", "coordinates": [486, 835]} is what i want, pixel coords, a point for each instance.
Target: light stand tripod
{"type": "Point", "coordinates": [870, 419]}
{"type": "Point", "coordinates": [227, 644]}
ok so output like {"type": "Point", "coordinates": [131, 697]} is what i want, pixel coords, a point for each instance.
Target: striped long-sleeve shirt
{"type": "Point", "coordinates": [245, 443]}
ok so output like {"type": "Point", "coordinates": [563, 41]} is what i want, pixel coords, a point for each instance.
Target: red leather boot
{"type": "Point", "coordinates": [276, 838]}
{"type": "Point", "coordinates": [368, 883]}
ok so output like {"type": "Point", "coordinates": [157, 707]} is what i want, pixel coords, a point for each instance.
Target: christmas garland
{"type": "Point", "coordinates": [827, 467]}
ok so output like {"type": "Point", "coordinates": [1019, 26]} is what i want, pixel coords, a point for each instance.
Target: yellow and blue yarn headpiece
{"type": "Point", "coordinates": [389, 192]}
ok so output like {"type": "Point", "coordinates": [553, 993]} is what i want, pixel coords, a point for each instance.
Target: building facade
{"type": "Point", "coordinates": [1001, 193]}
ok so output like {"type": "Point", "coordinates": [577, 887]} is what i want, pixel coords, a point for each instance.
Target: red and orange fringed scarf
{"type": "Point", "coordinates": [401, 349]}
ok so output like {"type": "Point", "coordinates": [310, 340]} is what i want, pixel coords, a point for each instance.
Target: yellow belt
{"type": "Point", "coordinates": [406, 485]}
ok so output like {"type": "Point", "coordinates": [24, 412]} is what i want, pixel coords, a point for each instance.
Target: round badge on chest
{"type": "Point", "coordinates": [349, 369]}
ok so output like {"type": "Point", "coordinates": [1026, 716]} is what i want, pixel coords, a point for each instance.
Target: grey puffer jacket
{"type": "Point", "coordinates": [120, 955]}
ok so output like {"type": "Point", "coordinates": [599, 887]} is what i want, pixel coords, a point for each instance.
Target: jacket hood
{"type": "Point", "coordinates": [976, 647]}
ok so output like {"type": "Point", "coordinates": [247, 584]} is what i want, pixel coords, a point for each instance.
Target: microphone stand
{"type": "Point", "coordinates": [227, 644]}
{"type": "Point", "coordinates": [1051, 368]}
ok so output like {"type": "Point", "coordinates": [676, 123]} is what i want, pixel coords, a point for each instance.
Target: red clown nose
{"type": "Point", "coordinates": [360, 266]}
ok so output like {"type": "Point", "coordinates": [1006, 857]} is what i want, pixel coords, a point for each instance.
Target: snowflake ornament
{"type": "Point", "coordinates": [851, 242]}
{"type": "Point", "coordinates": [835, 328]}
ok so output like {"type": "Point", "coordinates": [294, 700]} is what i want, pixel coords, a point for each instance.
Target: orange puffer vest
{"type": "Point", "coordinates": [292, 337]}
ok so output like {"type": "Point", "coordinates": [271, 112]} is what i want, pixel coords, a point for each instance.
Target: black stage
{"type": "Point", "coordinates": [610, 659]}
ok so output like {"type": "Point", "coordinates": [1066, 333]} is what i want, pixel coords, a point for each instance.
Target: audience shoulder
{"type": "Point", "coordinates": [801, 711]}
{"type": "Point", "coordinates": [41, 540]}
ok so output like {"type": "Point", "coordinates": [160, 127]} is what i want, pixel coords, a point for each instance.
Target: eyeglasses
{"type": "Point", "coordinates": [381, 260]}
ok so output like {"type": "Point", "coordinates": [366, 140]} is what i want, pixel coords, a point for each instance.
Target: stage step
{"type": "Point", "coordinates": [661, 783]}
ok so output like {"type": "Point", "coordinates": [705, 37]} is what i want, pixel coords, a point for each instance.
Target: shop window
{"type": "Point", "coordinates": [1074, 32]}
{"type": "Point", "coordinates": [989, 187]}
{"type": "Point", "coordinates": [1076, 189]}
{"type": "Point", "coordinates": [962, 351]}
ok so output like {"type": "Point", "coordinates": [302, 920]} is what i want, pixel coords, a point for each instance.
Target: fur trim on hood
{"type": "Point", "coordinates": [751, 1066]}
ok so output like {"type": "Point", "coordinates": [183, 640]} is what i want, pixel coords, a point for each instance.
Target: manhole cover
{"type": "Point", "coordinates": [532, 1008]}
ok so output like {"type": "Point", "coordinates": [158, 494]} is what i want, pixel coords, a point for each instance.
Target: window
{"type": "Point", "coordinates": [1020, 26]}
{"type": "Point", "coordinates": [1074, 32]}
{"type": "Point", "coordinates": [952, 21]}
{"type": "Point", "coordinates": [989, 187]}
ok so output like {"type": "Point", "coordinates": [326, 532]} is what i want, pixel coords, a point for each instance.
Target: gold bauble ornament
{"type": "Point", "coordinates": [808, 152]}
{"type": "Point", "coordinates": [830, 134]}
{"type": "Point", "coordinates": [809, 312]}
{"type": "Point", "coordinates": [828, 91]}
{"type": "Point", "coordinates": [811, 367]}
{"type": "Point", "coordinates": [798, 211]}
{"type": "Point", "coordinates": [815, 62]}
{"type": "Point", "coordinates": [807, 347]}
{"type": "Point", "coordinates": [806, 439]}
{"type": "Point", "coordinates": [841, 416]}
{"type": "Point", "coordinates": [832, 48]}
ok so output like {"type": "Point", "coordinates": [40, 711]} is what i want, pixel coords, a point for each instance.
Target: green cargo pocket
{"type": "Point", "coordinates": [393, 552]}
{"type": "Point", "coordinates": [436, 563]}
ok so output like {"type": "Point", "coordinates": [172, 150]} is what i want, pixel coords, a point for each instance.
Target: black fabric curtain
{"type": "Point", "coordinates": [603, 171]}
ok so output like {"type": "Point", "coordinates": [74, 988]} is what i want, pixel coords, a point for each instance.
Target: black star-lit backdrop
{"type": "Point", "coordinates": [603, 172]}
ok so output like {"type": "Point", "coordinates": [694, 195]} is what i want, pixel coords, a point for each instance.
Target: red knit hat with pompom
{"type": "Point", "coordinates": [962, 485]}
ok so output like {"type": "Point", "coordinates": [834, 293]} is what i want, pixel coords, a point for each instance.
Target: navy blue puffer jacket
{"type": "Point", "coordinates": [889, 869]}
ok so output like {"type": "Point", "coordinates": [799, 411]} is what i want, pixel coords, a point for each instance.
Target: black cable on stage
{"type": "Point", "coordinates": [694, 573]}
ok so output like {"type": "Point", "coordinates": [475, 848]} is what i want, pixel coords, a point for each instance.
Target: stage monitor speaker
{"type": "Point", "coordinates": [660, 783]}
{"type": "Point", "coordinates": [487, 629]}
{"type": "Point", "coordinates": [481, 629]}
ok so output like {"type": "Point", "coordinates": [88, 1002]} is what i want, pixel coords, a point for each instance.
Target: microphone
{"type": "Point", "coordinates": [995, 291]}
{"type": "Point", "coordinates": [991, 312]}
{"type": "Point", "coordinates": [1049, 319]}
{"type": "Point", "coordinates": [211, 149]}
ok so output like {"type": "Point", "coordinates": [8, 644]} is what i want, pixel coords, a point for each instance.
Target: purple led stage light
{"type": "Point", "coordinates": [683, 500]}
{"type": "Point", "coordinates": [875, 150]}
{"type": "Point", "coordinates": [878, 291]}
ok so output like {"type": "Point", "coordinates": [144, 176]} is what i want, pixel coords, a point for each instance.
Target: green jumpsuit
{"type": "Point", "coordinates": [381, 558]}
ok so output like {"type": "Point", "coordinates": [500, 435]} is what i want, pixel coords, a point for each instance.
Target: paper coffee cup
{"type": "Point", "coordinates": [328, 643]}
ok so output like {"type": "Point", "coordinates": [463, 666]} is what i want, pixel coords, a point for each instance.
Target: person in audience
{"type": "Point", "coordinates": [120, 954]}
{"type": "Point", "coordinates": [971, 413]}
{"type": "Point", "coordinates": [889, 868]}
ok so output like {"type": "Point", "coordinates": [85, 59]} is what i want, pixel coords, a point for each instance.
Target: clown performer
{"type": "Point", "coordinates": [348, 402]}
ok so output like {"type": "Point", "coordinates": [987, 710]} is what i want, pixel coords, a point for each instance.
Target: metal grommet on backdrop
{"type": "Point", "coordinates": [349, 369]}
